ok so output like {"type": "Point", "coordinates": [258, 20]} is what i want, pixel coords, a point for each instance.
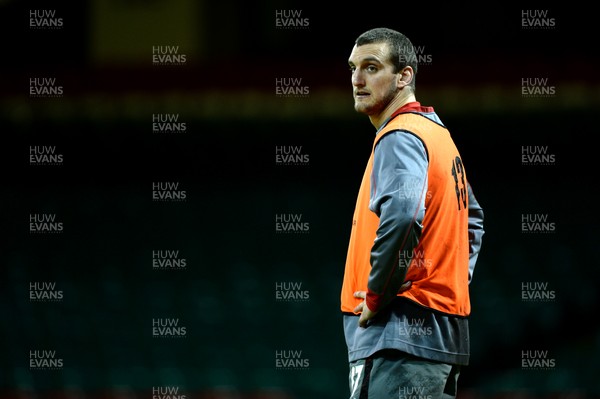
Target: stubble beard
{"type": "Point", "coordinates": [377, 107]}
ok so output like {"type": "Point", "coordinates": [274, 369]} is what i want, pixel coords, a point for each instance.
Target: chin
{"type": "Point", "coordinates": [362, 108]}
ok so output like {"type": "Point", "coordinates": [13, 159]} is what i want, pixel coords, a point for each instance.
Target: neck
{"type": "Point", "coordinates": [398, 101]}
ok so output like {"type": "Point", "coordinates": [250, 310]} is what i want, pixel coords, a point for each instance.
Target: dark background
{"type": "Point", "coordinates": [225, 161]}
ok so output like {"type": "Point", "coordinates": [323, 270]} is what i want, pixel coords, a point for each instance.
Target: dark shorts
{"type": "Point", "coordinates": [392, 374]}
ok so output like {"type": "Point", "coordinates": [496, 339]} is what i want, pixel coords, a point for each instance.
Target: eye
{"type": "Point", "coordinates": [372, 68]}
{"type": "Point", "coordinates": [352, 68]}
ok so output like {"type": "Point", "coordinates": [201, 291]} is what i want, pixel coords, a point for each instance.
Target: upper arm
{"type": "Point", "coordinates": [399, 171]}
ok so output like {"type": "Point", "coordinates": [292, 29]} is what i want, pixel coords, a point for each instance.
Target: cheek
{"type": "Point", "coordinates": [376, 86]}
{"type": "Point", "coordinates": [381, 86]}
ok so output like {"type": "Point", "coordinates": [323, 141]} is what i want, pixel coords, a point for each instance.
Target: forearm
{"type": "Point", "coordinates": [391, 255]}
{"type": "Point", "coordinates": [399, 185]}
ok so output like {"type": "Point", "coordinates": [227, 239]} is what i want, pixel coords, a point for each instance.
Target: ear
{"type": "Point", "coordinates": [405, 76]}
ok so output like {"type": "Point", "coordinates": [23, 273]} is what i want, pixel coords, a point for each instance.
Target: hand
{"type": "Point", "coordinates": [367, 314]}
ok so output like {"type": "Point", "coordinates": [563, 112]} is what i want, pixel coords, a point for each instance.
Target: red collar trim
{"type": "Point", "coordinates": [414, 106]}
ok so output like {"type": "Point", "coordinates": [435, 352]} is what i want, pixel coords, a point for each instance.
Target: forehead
{"type": "Point", "coordinates": [369, 52]}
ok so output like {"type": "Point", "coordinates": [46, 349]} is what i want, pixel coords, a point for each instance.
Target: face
{"type": "Point", "coordinates": [374, 83]}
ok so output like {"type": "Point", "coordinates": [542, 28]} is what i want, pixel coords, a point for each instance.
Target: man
{"type": "Point", "coordinates": [415, 237]}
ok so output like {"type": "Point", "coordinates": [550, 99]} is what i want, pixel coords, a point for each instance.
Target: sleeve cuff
{"type": "Point", "coordinates": [373, 301]}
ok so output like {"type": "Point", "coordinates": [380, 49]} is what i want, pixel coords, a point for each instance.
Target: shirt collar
{"type": "Point", "coordinates": [413, 106]}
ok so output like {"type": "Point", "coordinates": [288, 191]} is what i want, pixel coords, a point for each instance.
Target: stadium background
{"type": "Point", "coordinates": [226, 93]}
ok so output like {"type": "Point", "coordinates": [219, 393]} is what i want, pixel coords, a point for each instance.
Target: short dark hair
{"type": "Point", "coordinates": [402, 51]}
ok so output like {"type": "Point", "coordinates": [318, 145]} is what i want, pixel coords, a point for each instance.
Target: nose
{"type": "Point", "coordinates": [357, 78]}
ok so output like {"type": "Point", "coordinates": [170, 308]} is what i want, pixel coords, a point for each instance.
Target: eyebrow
{"type": "Point", "coordinates": [368, 59]}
